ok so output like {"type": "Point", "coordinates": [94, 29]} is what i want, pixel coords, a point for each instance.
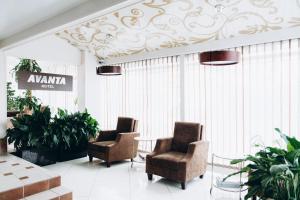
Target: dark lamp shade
{"type": "Point", "coordinates": [109, 70]}
{"type": "Point", "coordinates": [219, 58]}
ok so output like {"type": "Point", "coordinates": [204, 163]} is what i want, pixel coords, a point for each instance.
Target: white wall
{"type": "Point", "coordinates": [49, 48]}
{"type": "Point", "coordinates": [81, 82]}
{"type": "Point", "coordinates": [93, 94]}
{"type": "Point", "coordinates": [2, 95]}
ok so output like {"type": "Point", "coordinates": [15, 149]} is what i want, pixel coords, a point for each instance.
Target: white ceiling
{"type": "Point", "coordinates": [151, 25]}
{"type": "Point", "coordinates": [18, 15]}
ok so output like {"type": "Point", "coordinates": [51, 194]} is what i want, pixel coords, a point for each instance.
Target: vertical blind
{"type": "Point", "coordinates": [239, 105]}
{"type": "Point", "coordinates": [149, 91]}
{"type": "Point", "coordinates": [55, 99]}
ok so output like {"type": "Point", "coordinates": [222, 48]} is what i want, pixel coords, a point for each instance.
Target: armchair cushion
{"type": "Point", "coordinates": [184, 134]}
{"type": "Point", "coordinates": [168, 160]}
{"type": "Point", "coordinates": [100, 146]}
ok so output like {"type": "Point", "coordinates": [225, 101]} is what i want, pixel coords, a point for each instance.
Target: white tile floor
{"type": "Point", "coordinates": [93, 181]}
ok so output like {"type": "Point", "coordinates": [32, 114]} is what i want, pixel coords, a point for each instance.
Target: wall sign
{"type": "Point", "coordinates": [44, 81]}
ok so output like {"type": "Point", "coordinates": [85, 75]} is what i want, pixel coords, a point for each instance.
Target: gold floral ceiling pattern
{"type": "Point", "coordinates": [156, 24]}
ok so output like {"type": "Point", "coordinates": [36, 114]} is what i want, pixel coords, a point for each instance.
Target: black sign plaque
{"type": "Point", "coordinates": [44, 81]}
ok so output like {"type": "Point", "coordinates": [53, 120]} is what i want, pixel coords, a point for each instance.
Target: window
{"type": "Point", "coordinates": [239, 105]}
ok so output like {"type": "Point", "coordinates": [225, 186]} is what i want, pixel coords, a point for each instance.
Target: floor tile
{"type": "Point", "coordinates": [94, 181]}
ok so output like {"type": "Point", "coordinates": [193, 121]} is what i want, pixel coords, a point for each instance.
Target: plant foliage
{"type": "Point", "coordinates": [74, 130]}
{"type": "Point", "coordinates": [273, 172]}
{"type": "Point", "coordinates": [27, 101]}
{"type": "Point", "coordinates": [27, 65]}
{"type": "Point", "coordinates": [32, 131]}
{"type": "Point", "coordinates": [19, 103]}
{"type": "Point", "coordinates": [12, 104]}
{"type": "Point", "coordinates": [41, 131]}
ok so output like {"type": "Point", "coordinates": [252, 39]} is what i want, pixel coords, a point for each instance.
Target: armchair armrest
{"type": "Point", "coordinates": [106, 135]}
{"type": "Point", "coordinates": [126, 137]}
{"type": "Point", "coordinates": [197, 151]}
{"type": "Point", "coordinates": [123, 141]}
{"type": "Point", "coordinates": [162, 145]}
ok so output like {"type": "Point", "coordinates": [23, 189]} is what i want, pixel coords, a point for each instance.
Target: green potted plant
{"type": "Point", "coordinates": [26, 65]}
{"type": "Point", "coordinates": [273, 172]}
{"type": "Point", "coordinates": [73, 132]}
{"type": "Point", "coordinates": [28, 103]}
{"type": "Point", "coordinates": [43, 140]}
{"type": "Point", "coordinates": [32, 136]}
{"type": "Point", "coordinates": [12, 103]}
{"type": "Point", "coordinates": [19, 104]}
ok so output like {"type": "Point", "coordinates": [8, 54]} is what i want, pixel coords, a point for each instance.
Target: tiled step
{"type": "Point", "coordinates": [57, 193]}
{"type": "Point", "coordinates": [20, 179]}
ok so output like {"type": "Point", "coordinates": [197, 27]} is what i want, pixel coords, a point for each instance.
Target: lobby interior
{"type": "Point", "coordinates": [149, 99]}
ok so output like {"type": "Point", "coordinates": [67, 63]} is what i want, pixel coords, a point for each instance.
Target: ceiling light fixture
{"type": "Point", "coordinates": [109, 36]}
{"type": "Point", "coordinates": [219, 6]}
{"type": "Point", "coordinates": [219, 57]}
{"type": "Point", "coordinates": [108, 70]}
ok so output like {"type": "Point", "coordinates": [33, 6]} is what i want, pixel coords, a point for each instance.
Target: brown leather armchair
{"type": "Point", "coordinates": [116, 145]}
{"type": "Point", "coordinates": [180, 158]}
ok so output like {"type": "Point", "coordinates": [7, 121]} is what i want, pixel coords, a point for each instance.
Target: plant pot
{"type": "Point", "coordinates": [65, 155]}
{"type": "Point", "coordinates": [39, 157]}
{"type": "Point", "coordinates": [17, 153]}
{"type": "Point", "coordinates": [12, 113]}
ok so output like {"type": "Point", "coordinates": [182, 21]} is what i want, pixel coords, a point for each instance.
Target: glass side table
{"type": "Point", "coordinates": [143, 153]}
{"type": "Point", "coordinates": [217, 182]}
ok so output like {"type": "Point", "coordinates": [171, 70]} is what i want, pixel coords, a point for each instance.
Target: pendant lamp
{"type": "Point", "coordinates": [219, 57]}
{"type": "Point", "coordinates": [109, 70]}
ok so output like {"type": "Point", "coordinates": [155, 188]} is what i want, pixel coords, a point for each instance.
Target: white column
{"type": "Point", "coordinates": [82, 82]}
{"type": "Point", "coordinates": [181, 65]}
{"type": "Point", "coordinates": [94, 96]}
{"type": "Point", "coordinates": [3, 103]}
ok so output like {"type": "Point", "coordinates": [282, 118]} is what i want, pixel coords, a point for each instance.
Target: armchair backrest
{"type": "Point", "coordinates": [126, 124]}
{"type": "Point", "coordinates": [184, 134]}
{"type": "Point", "coordinates": [135, 126]}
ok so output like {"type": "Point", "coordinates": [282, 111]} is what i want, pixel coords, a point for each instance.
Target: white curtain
{"type": "Point", "coordinates": [147, 90]}
{"type": "Point", "coordinates": [240, 105]}
{"type": "Point", "coordinates": [54, 99]}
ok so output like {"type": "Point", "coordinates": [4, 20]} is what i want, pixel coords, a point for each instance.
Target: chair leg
{"type": "Point", "coordinates": [183, 185]}
{"type": "Point", "coordinates": [91, 158]}
{"type": "Point", "coordinates": [150, 177]}
{"type": "Point", "coordinates": [131, 159]}
{"type": "Point", "coordinates": [202, 176]}
{"type": "Point", "coordinates": [107, 164]}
